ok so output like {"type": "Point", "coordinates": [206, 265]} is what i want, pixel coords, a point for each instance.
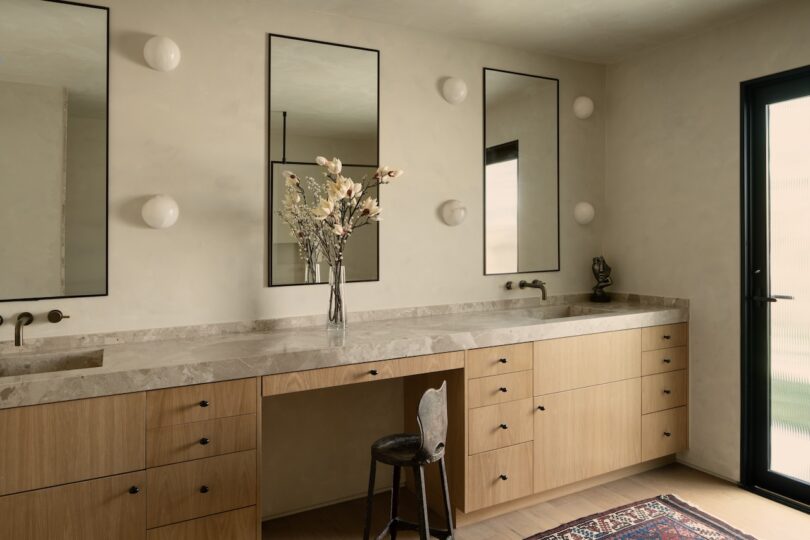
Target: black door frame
{"type": "Point", "coordinates": [754, 343]}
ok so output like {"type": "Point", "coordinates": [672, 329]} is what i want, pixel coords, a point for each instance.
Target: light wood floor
{"type": "Point", "coordinates": [757, 516]}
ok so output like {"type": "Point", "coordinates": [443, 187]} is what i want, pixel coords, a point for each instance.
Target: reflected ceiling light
{"type": "Point", "coordinates": [584, 212]}
{"type": "Point", "coordinates": [583, 107]}
{"type": "Point", "coordinates": [161, 53]}
{"type": "Point", "coordinates": [454, 90]}
{"type": "Point", "coordinates": [160, 212]}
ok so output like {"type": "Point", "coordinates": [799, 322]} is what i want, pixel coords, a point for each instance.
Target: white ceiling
{"type": "Point", "coordinates": [326, 90]}
{"type": "Point", "coordinates": [603, 31]}
{"type": "Point", "coordinates": [57, 45]}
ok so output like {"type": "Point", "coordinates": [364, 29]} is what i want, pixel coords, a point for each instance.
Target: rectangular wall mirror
{"type": "Point", "coordinates": [53, 150]}
{"type": "Point", "coordinates": [324, 101]}
{"type": "Point", "coordinates": [521, 173]}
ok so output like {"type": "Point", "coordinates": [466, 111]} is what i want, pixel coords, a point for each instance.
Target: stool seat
{"type": "Point", "coordinates": [402, 449]}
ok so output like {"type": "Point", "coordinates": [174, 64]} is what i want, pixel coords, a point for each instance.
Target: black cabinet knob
{"type": "Point", "coordinates": [204, 489]}
{"type": "Point", "coordinates": [374, 372]}
{"type": "Point", "coordinates": [504, 426]}
{"type": "Point", "coordinates": [503, 477]}
{"type": "Point", "coordinates": [667, 434]}
{"type": "Point", "coordinates": [503, 389]}
{"type": "Point", "coordinates": [667, 360]}
{"type": "Point", "coordinates": [667, 392]}
{"type": "Point", "coordinates": [541, 408]}
{"type": "Point", "coordinates": [502, 360]}
{"type": "Point", "coordinates": [134, 490]}
{"type": "Point", "coordinates": [204, 441]}
{"type": "Point", "coordinates": [204, 403]}
{"type": "Point", "coordinates": [667, 337]}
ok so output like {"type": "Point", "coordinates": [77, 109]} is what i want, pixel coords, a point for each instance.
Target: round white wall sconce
{"type": "Point", "coordinates": [584, 213]}
{"type": "Point", "coordinates": [161, 53]}
{"type": "Point", "coordinates": [453, 212]}
{"type": "Point", "coordinates": [454, 90]}
{"type": "Point", "coordinates": [160, 212]}
{"type": "Point", "coordinates": [583, 107]}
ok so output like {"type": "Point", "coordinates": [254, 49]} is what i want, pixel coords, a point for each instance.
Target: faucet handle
{"type": "Point", "coordinates": [56, 315]}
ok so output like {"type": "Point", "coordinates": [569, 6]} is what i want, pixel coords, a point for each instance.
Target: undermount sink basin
{"type": "Point", "coordinates": [50, 362]}
{"type": "Point", "coordinates": [563, 311]}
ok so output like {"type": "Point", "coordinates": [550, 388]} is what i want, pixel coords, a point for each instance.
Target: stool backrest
{"type": "Point", "coordinates": [432, 419]}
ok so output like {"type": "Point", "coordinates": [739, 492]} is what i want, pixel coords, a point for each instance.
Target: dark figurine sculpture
{"type": "Point", "coordinates": [601, 272]}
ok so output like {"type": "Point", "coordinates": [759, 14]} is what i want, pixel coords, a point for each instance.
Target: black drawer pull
{"type": "Point", "coordinates": [134, 490]}
{"type": "Point", "coordinates": [503, 477]}
{"type": "Point", "coordinates": [667, 434]}
{"type": "Point", "coordinates": [374, 372]}
{"type": "Point", "coordinates": [667, 337]}
{"type": "Point", "coordinates": [502, 360]}
{"type": "Point", "coordinates": [204, 441]}
{"type": "Point", "coordinates": [667, 392]}
{"type": "Point", "coordinates": [204, 489]}
{"type": "Point", "coordinates": [504, 426]}
{"type": "Point", "coordinates": [667, 360]}
{"type": "Point", "coordinates": [503, 389]}
{"type": "Point", "coordinates": [541, 408]}
{"type": "Point", "coordinates": [204, 403]}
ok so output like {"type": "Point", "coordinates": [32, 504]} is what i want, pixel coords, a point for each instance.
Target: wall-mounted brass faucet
{"type": "Point", "coordinates": [23, 319]}
{"type": "Point", "coordinates": [535, 284]}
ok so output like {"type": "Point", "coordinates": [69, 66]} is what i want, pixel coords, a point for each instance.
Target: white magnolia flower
{"type": "Point", "coordinates": [322, 161]}
{"type": "Point", "coordinates": [340, 188]}
{"type": "Point", "coordinates": [370, 208]}
{"type": "Point", "coordinates": [324, 209]}
{"type": "Point", "coordinates": [292, 198]}
{"type": "Point", "coordinates": [340, 230]}
{"type": "Point", "coordinates": [357, 190]}
{"type": "Point", "coordinates": [334, 166]}
{"type": "Point", "coordinates": [290, 178]}
{"type": "Point", "coordinates": [382, 172]}
{"type": "Point", "coordinates": [395, 173]}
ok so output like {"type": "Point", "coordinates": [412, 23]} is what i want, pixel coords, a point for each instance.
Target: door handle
{"type": "Point", "coordinates": [772, 298]}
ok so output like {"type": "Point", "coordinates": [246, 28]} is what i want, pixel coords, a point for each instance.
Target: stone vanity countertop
{"type": "Point", "coordinates": [148, 365]}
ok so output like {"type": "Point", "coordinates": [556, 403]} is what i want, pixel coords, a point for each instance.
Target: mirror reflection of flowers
{"type": "Point", "coordinates": [340, 206]}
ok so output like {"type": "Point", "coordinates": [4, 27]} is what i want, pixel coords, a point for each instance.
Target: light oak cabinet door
{"type": "Point", "coordinates": [93, 510]}
{"type": "Point", "coordinates": [57, 443]}
{"type": "Point", "coordinates": [576, 362]}
{"type": "Point", "coordinates": [587, 432]}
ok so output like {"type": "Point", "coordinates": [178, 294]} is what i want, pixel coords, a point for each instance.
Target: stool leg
{"type": "Point", "coordinates": [395, 503]}
{"type": "Point", "coordinates": [446, 493]}
{"type": "Point", "coordinates": [370, 499]}
{"type": "Point", "coordinates": [421, 499]}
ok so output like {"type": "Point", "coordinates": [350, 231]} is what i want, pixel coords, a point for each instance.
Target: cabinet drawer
{"type": "Point", "coordinates": [499, 476]}
{"type": "Point", "coordinates": [499, 389]}
{"type": "Point", "coordinates": [501, 425]}
{"type": "Point", "coordinates": [580, 361]}
{"type": "Point", "coordinates": [287, 383]}
{"type": "Point", "coordinates": [663, 360]}
{"type": "Point", "coordinates": [184, 442]}
{"type": "Point", "coordinates": [663, 433]}
{"type": "Point", "coordinates": [200, 402]}
{"type": "Point", "coordinates": [92, 510]}
{"type": "Point", "coordinates": [499, 360]}
{"type": "Point", "coordinates": [662, 337]}
{"type": "Point", "coordinates": [234, 525]}
{"type": "Point", "coordinates": [66, 442]}
{"type": "Point", "coordinates": [663, 391]}
{"type": "Point", "coordinates": [200, 488]}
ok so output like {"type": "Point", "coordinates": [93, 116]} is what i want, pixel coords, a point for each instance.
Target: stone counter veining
{"type": "Point", "coordinates": [133, 367]}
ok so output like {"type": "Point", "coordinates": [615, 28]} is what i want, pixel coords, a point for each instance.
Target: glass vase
{"type": "Point", "coordinates": [336, 316]}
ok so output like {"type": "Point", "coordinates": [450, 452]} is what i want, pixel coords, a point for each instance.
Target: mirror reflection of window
{"type": "Point", "coordinates": [502, 208]}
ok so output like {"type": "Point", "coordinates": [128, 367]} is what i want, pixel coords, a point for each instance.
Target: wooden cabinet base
{"type": "Point", "coordinates": [93, 510]}
{"type": "Point", "coordinates": [235, 525]}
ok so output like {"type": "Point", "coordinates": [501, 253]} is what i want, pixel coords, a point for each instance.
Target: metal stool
{"type": "Point", "coordinates": [415, 451]}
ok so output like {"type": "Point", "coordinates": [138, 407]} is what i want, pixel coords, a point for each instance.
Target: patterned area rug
{"type": "Point", "coordinates": [660, 518]}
